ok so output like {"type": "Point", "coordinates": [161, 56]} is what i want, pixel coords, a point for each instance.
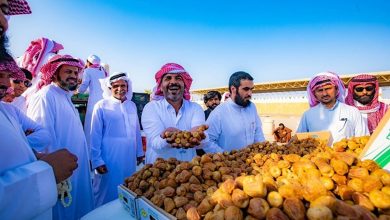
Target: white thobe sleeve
{"type": "Point", "coordinates": [41, 111]}
{"type": "Point", "coordinates": [259, 135]}
{"type": "Point", "coordinates": [85, 83]}
{"type": "Point", "coordinates": [96, 136]}
{"type": "Point", "coordinates": [153, 126]}
{"type": "Point", "coordinates": [361, 128]}
{"type": "Point", "coordinates": [302, 127]}
{"type": "Point", "coordinates": [27, 191]}
{"type": "Point", "coordinates": [40, 138]}
{"type": "Point", "coordinates": [213, 133]}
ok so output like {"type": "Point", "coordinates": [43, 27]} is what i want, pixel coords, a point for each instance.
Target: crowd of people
{"type": "Point", "coordinates": [52, 167]}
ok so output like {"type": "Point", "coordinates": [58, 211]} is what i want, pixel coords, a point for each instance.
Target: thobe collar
{"type": "Point", "coordinates": [115, 100]}
{"type": "Point", "coordinates": [330, 109]}
{"type": "Point", "coordinates": [60, 90]}
{"type": "Point", "coordinates": [169, 106]}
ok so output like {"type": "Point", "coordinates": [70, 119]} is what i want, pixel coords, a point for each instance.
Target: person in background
{"type": "Point", "coordinates": [27, 182]}
{"type": "Point", "coordinates": [19, 86]}
{"type": "Point", "coordinates": [212, 99]}
{"type": "Point", "coordinates": [115, 138]}
{"type": "Point", "coordinates": [363, 93]}
{"type": "Point", "coordinates": [170, 110]}
{"type": "Point", "coordinates": [52, 107]}
{"type": "Point", "coordinates": [282, 134]}
{"type": "Point", "coordinates": [235, 123]}
{"type": "Point", "coordinates": [328, 112]}
{"type": "Point", "coordinates": [92, 75]}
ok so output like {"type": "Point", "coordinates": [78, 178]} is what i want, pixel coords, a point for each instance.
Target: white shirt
{"type": "Point", "coordinates": [158, 116]}
{"type": "Point", "coordinates": [91, 78]}
{"type": "Point", "coordinates": [343, 121]}
{"type": "Point", "coordinates": [40, 138]}
{"type": "Point", "coordinates": [116, 142]}
{"type": "Point", "coordinates": [52, 107]}
{"type": "Point", "coordinates": [234, 127]}
{"type": "Point", "coordinates": [20, 103]}
{"type": "Point", "coordinates": [27, 186]}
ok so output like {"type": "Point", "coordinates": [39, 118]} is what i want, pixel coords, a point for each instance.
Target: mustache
{"type": "Point", "coordinates": [174, 85]}
{"type": "Point", "coordinates": [71, 78]}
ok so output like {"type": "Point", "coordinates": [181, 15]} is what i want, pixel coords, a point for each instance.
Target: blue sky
{"type": "Point", "coordinates": [272, 40]}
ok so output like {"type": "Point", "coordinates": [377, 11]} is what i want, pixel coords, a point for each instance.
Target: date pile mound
{"type": "Point", "coordinates": [186, 139]}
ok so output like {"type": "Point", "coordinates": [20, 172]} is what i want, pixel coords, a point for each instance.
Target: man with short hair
{"type": "Point", "coordinates": [115, 138]}
{"type": "Point", "coordinates": [170, 110]}
{"type": "Point", "coordinates": [363, 93]}
{"type": "Point", "coordinates": [328, 112]}
{"type": "Point", "coordinates": [212, 99]}
{"type": "Point", "coordinates": [91, 79]}
{"type": "Point", "coordinates": [235, 124]}
{"type": "Point", "coordinates": [52, 107]}
{"type": "Point", "coordinates": [19, 86]}
{"type": "Point", "coordinates": [282, 134]}
{"type": "Point", "coordinates": [32, 180]}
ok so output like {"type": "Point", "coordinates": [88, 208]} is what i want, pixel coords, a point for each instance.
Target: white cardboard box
{"type": "Point", "coordinates": [148, 211]}
{"type": "Point", "coordinates": [129, 200]}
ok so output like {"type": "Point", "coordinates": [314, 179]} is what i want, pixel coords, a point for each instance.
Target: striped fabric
{"type": "Point", "coordinates": [10, 66]}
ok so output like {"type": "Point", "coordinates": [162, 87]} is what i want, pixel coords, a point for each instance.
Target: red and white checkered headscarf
{"type": "Point", "coordinates": [10, 66]}
{"type": "Point", "coordinates": [173, 68]}
{"type": "Point", "coordinates": [18, 7]}
{"type": "Point", "coordinates": [375, 110]}
{"type": "Point", "coordinates": [49, 69]}
{"type": "Point", "coordinates": [322, 79]}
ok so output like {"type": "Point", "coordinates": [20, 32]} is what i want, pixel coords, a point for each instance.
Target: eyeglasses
{"type": "Point", "coordinates": [368, 89]}
{"type": "Point", "coordinates": [27, 83]}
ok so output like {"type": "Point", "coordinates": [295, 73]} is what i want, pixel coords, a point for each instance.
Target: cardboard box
{"type": "Point", "coordinates": [129, 200]}
{"type": "Point", "coordinates": [378, 147]}
{"type": "Point", "coordinates": [148, 211]}
{"type": "Point", "coordinates": [325, 136]}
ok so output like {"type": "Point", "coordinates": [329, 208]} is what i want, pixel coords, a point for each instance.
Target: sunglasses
{"type": "Point", "coordinates": [368, 89]}
{"type": "Point", "coordinates": [27, 83]}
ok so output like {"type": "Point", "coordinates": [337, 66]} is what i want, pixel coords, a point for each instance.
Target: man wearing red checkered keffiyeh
{"type": "Point", "coordinates": [53, 108]}
{"type": "Point", "coordinates": [363, 92]}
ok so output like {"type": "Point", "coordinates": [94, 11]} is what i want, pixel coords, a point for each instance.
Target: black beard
{"type": "Point", "coordinates": [364, 101]}
{"type": "Point", "coordinates": [4, 54]}
{"type": "Point", "coordinates": [240, 101]}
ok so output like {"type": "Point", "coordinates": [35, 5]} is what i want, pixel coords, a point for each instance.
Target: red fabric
{"type": "Point", "coordinates": [11, 67]}
{"type": "Point", "coordinates": [375, 110]}
{"type": "Point", "coordinates": [174, 68]}
{"type": "Point", "coordinates": [18, 7]}
{"type": "Point", "coordinates": [37, 51]}
{"type": "Point", "coordinates": [49, 69]}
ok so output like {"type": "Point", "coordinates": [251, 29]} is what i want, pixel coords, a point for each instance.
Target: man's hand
{"type": "Point", "coordinates": [170, 129]}
{"type": "Point", "coordinates": [140, 160]}
{"type": "Point", "coordinates": [102, 169]}
{"type": "Point", "coordinates": [63, 163]}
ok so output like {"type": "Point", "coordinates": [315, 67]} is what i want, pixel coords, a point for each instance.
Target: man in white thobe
{"type": "Point", "coordinates": [52, 107]}
{"type": "Point", "coordinates": [115, 138]}
{"type": "Point", "coordinates": [27, 186]}
{"type": "Point", "coordinates": [235, 124]}
{"type": "Point", "coordinates": [170, 110]}
{"type": "Point", "coordinates": [91, 80]}
{"type": "Point", "coordinates": [328, 112]}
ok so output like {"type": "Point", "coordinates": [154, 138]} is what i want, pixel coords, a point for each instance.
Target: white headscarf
{"type": "Point", "coordinates": [106, 84]}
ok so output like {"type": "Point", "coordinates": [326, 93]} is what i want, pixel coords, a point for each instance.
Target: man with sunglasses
{"type": "Point", "coordinates": [19, 86]}
{"type": "Point", "coordinates": [328, 112]}
{"type": "Point", "coordinates": [363, 93]}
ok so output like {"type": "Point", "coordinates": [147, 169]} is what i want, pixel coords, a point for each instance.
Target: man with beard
{"type": "Point", "coordinates": [170, 110]}
{"type": "Point", "coordinates": [19, 86]}
{"type": "Point", "coordinates": [235, 124]}
{"type": "Point", "coordinates": [328, 112]}
{"type": "Point", "coordinates": [212, 99]}
{"type": "Point", "coordinates": [363, 94]}
{"type": "Point", "coordinates": [27, 185]}
{"type": "Point", "coordinates": [115, 138]}
{"type": "Point", "coordinates": [52, 107]}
